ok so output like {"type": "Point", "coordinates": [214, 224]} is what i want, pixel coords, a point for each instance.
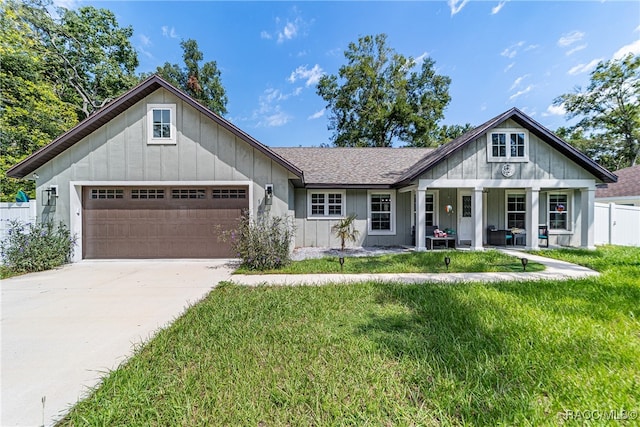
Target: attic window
{"type": "Point", "coordinates": [508, 145]}
{"type": "Point", "coordinates": [161, 123]}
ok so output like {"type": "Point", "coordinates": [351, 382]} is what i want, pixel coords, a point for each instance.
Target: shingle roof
{"type": "Point", "coordinates": [118, 106]}
{"type": "Point", "coordinates": [353, 166]}
{"type": "Point", "coordinates": [628, 184]}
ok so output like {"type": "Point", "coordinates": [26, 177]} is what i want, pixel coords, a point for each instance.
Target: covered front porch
{"type": "Point", "coordinates": [481, 213]}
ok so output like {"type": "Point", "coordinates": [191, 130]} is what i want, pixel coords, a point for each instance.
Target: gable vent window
{"type": "Point", "coordinates": [161, 123]}
{"type": "Point", "coordinates": [229, 193]}
{"type": "Point", "coordinates": [508, 145]}
{"type": "Point", "coordinates": [188, 193]}
{"type": "Point", "coordinates": [107, 193]}
{"type": "Point", "coordinates": [147, 193]}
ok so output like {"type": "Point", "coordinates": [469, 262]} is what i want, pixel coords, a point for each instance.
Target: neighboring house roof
{"type": "Point", "coordinates": [118, 106]}
{"type": "Point", "coordinates": [353, 166]}
{"type": "Point", "coordinates": [445, 151]}
{"type": "Point", "coordinates": [628, 184]}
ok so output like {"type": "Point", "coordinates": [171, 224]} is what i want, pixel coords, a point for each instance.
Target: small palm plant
{"type": "Point", "coordinates": [345, 230]}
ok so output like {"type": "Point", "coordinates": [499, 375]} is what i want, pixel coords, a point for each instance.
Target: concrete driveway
{"type": "Point", "coordinates": [61, 330]}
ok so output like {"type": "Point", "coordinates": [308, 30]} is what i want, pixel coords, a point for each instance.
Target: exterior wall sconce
{"type": "Point", "coordinates": [268, 194]}
{"type": "Point", "coordinates": [50, 195]}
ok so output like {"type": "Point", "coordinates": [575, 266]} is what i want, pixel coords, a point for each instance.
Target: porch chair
{"type": "Point", "coordinates": [497, 237]}
{"type": "Point", "coordinates": [543, 234]}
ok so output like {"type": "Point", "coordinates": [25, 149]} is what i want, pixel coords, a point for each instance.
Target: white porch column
{"type": "Point", "coordinates": [476, 208]}
{"type": "Point", "coordinates": [421, 228]}
{"type": "Point", "coordinates": [587, 214]}
{"type": "Point", "coordinates": [532, 217]}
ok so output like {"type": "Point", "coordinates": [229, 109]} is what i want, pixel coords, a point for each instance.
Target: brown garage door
{"type": "Point", "coordinates": [159, 222]}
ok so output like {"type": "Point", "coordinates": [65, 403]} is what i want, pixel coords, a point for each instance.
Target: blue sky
{"type": "Point", "coordinates": [498, 54]}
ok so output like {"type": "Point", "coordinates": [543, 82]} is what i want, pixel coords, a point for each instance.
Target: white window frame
{"type": "Point", "coordinates": [326, 193]}
{"type": "Point", "coordinates": [507, 158]}
{"type": "Point", "coordinates": [506, 207]}
{"type": "Point", "coordinates": [568, 212]}
{"type": "Point", "coordinates": [172, 129]}
{"type": "Point", "coordinates": [436, 206]}
{"type": "Point", "coordinates": [392, 231]}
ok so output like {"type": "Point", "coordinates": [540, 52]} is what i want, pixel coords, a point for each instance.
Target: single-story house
{"type": "Point", "coordinates": [155, 174]}
{"type": "Point", "coordinates": [624, 192]}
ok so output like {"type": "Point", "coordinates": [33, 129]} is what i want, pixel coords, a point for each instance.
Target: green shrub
{"type": "Point", "coordinates": [36, 247]}
{"type": "Point", "coordinates": [263, 243]}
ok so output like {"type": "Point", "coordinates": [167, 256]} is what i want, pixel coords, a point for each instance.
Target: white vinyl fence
{"type": "Point", "coordinates": [617, 224]}
{"type": "Point", "coordinates": [23, 212]}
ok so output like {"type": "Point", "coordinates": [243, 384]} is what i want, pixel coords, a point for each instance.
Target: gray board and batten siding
{"type": "Point", "coordinates": [117, 153]}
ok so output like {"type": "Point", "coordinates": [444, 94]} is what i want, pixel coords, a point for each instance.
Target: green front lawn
{"type": "Point", "coordinates": [511, 353]}
{"type": "Point", "coordinates": [410, 262]}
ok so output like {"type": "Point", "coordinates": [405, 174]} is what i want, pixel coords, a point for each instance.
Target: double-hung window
{"type": "Point", "coordinates": [510, 145]}
{"type": "Point", "coordinates": [382, 212]}
{"type": "Point", "coordinates": [326, 204]}
{"type": "Point", "coordinates": [516, 210]}
{"type": "Point", "coordinates": [161, 123]}
{"type": "Point", "coordinates": [559, 212]}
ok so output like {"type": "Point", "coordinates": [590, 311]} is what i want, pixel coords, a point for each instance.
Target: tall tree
{"type": "Point", "coordinates": [87, 54]}
{"type": "Point", "coordinates": [32, 113]}
{"type": "Point", "coordinates": [378, 97]}
{"type": "Point", "coordinates": [200, 82]}
{"type": "Point", "coordinates": [609, 111]}
{"type": "Point", "coordinates": [446, 133]}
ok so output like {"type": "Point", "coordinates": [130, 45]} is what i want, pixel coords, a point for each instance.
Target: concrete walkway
{"type": "Point", "coordinates": [555, 270]}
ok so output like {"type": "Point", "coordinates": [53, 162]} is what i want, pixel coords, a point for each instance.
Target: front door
{"type": "Point", "coordinates": [465, 217]}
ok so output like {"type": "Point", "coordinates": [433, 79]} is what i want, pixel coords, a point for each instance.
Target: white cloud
{"type": "Point", "coordinates": [456, 5]}
{"type": "Point", "coordinates": [584, 68]}
{"type": "Point", "coordinates": [312, 76]}
{"type": "Point", "coordinates": [510, 66]}
{"type": "Point", "coordinates": [420, 59]}
{"type": "Point", "coordinates": [145, 42]}
{"type": "Point", "coordinates": [498, 7]}
{"type": "Point", "coordinates": [275, 120]}
{"type": "Point", "coordinates": [512, 50]}
{"type": "Point", "coordinates": [67, 4]}
{"type": "Point", "coordinates": [316, 115]}
{"type": "Point", "coordinates": [289, 31]}
{"type": "Point", "coordinates": [518, 81]}
{"type": "Point", "coordinates": [570, 38]}
{"type": "Point", "coordinates": [555, 110]}
{"type": "Point", "coordinates": [576, 49]}
{"type": "Point", "coordinates": [633, 48]}
{"type": "Point", "coordinates": [169, 32]}
{"type": "Point", "coordinates": [521, 92]}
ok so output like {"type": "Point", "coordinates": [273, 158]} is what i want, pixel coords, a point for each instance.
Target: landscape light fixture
{"type": "Point", "coordinates": [447, 261]}
{"type": "Point", "coordinates": [341, 259]}
{"type": "Point", "coordinates": [524, 262]}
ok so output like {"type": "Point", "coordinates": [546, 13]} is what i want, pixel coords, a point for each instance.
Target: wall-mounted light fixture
{"type": "Point", "coordinates": [268, 194]}
{"type": "Point", "coordinates": [35, 176]}
{"type": "Point", "coordinates": [49, 195]}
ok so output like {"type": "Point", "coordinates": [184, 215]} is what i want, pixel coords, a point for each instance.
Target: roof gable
{"type": "Point", "coordinates": [447, 150]}
{"type": "Point", "coordinates": [118, 106]}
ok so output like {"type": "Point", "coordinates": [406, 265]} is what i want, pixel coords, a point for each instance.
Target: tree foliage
{"type": "Point", "coordinates": [609, 112]}
{"type": "Point", "coordinates": [88, 56]}
{"type": "Point", "coordinates": [32, 113]}
{"type": "Point", "coordinates": [379, 98]}
{"type": "Point", "coordinates": [446, 133]}
{"type": "Point", "coordinates": [200, 82]}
